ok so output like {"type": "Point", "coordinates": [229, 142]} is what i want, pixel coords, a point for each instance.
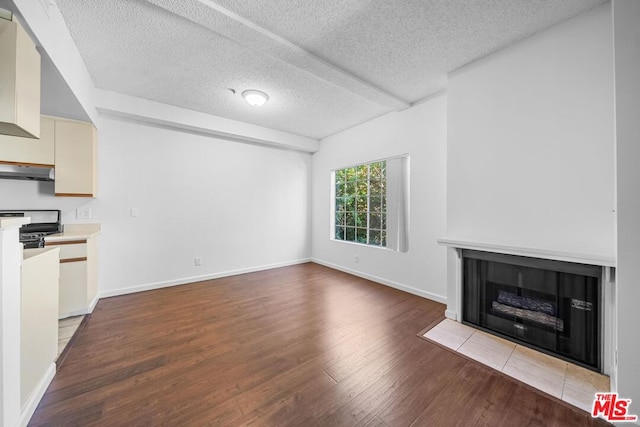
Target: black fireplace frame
{"type": "Point", "coordinates": [590, 271]}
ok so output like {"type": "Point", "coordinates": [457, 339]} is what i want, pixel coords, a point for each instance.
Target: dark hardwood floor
{"type": "Point", "coordinates": [301, 345]}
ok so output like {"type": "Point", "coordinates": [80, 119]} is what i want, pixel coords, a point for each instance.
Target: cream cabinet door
{"type": "Point", "coordinates": [20, 82]}
{"type": "Point", "coordinates": [75, 159]}
{"type": "Point", "coordinates": [73, 288]}
{"type": "Point", "coordinates": [39, 320]}
{"type": "Point", "coordinates": [29, 151]}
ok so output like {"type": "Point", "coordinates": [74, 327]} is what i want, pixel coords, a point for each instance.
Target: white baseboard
{"type": "Point", "coordinates": [390, 283]}
{"type": "Point", "coordinates": [88, 310]}
{"type": "Point", "coordinates": [450, 314]}
{"type": "Point", "coordinates": [93, 303]}
{"type": "Point", "coordinates": [187, 280]}
{"type": "Point", "coordinates": [74, 313]}
{"type": "Point", "coordinates": [30, 406]}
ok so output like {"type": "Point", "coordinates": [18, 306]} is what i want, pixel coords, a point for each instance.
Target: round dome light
{"type": "Point", "coordinates": [255, 98]}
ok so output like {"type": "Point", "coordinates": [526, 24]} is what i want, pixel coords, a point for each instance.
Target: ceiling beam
{"type": "Point", "coordinates": [226, 23]}
{"type": "Point", "coordinates": [170, 117]}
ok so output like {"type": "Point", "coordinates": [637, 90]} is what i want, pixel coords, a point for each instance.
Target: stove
{"type": "Point", "coordinates": [43, 223]}
{"type": "Point", "coordinates": [33, 240]}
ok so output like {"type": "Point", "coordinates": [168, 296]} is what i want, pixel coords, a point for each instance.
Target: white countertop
{"type": "Point", "coordinates": [75, 232]}
{"type": "Point", "coordinates": [14, 221]}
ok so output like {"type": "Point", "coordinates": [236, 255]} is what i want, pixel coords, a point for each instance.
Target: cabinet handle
{"type": "Point", "coordinates": [62, 261]}
{"type": "Point", "coordinates": [75, 195]}
{"type": "Point", "coordinates": [42, 165]}
{"type": "Point", "coordinates": [67, 242]}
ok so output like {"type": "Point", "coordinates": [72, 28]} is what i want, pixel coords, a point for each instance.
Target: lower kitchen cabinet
{"type": "Point", "coordinates": [38, 320]}
{"type": "Point", "coordinates": [73, 294]}
{"type": "Point", "coordinates": [78, 276]}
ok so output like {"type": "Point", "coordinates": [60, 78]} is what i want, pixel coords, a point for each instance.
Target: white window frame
{"type": "Point", "coordinates": [396, 195]}
{"type": "Point", "coordinates": [356, 211]}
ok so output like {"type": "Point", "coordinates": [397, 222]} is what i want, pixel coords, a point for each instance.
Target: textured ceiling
{"type": "Point", "coordinates": [326, 64]}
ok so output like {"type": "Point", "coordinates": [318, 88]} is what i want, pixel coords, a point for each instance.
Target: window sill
{"type": "Point", "coordinates": [361, 244]}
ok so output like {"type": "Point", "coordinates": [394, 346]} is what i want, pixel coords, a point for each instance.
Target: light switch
{"type": "Point", "coordinates": [135, 212]}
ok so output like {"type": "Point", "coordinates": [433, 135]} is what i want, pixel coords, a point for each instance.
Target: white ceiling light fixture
{"type": "Point", "coordinates": [255, 98]}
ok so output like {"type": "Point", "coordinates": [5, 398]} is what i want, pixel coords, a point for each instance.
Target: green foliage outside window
{"type": "Point", "coordinates": [361, 204]}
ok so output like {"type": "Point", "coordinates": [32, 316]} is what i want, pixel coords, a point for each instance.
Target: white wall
{"type": "Point", "coordinates": [420, 132]}
{"type": "Point", "coordinates": [237, 206]}
{"type": "Point", "coordinates": [23, 195]}
{"type": "Point", "coordinates": [530, 152]}
{"type": "Point", "coordinates": [626, 15]}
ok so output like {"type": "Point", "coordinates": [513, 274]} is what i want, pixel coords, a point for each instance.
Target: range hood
{"type": "Point", "coordinates": [31, 173]}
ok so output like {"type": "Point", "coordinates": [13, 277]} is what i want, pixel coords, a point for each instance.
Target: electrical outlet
{"type": "Point", "coordinates": [197, 261]}
{"type": "Point", "coordinates": [356, 259]}
{"type": "Point", "coordinates": [83, 213]}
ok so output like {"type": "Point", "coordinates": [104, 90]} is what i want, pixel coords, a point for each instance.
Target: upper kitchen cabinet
{"type": "Point", "coordinates": [75, 159]}
{"type": "Point", "coordinates": [29, 151]}
{"type": "Point", "coordinates": [19, 81]}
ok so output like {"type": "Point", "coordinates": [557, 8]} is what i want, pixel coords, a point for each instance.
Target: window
{"type": "Point", "coordinates": [371, 204]}
{"type": "Point", "coordinates": [361, 204]}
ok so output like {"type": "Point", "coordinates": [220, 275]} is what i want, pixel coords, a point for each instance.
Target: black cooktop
{"type": "Point", "coordinates": [43, 223]}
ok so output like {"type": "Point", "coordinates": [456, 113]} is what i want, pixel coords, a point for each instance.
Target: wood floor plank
{"type": "Point", "coordinates": [300, 345]}
{"type": "Point", "coordinates": [288, 406]}
{"type": "Point", "coordinates": [376, 422]}
{"type": "Point", "coordinates": [485, 397]}
{"type": "Point", "coordinates": [402, 373]}
{"type": "Point", "coordinates": [328, 402]}
{"type": "Point", "coordinates": [430, 377]}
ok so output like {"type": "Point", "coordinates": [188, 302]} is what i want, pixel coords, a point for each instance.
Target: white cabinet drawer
{"type": "Point", "coordinates": [69, 251]}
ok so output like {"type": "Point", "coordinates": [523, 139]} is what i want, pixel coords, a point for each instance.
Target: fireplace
{"type": "Point", "coordinates": [551, 306]}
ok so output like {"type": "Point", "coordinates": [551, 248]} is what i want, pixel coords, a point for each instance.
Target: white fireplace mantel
{"type": "Point", "coordinates": [579, 257]}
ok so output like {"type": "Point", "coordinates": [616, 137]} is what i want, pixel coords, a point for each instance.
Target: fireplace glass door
{"type": "Point", "coordinates": [548, 305]}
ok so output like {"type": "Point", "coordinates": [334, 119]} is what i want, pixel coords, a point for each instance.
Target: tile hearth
{"type": "Point", "coordinates": [563, 380]}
